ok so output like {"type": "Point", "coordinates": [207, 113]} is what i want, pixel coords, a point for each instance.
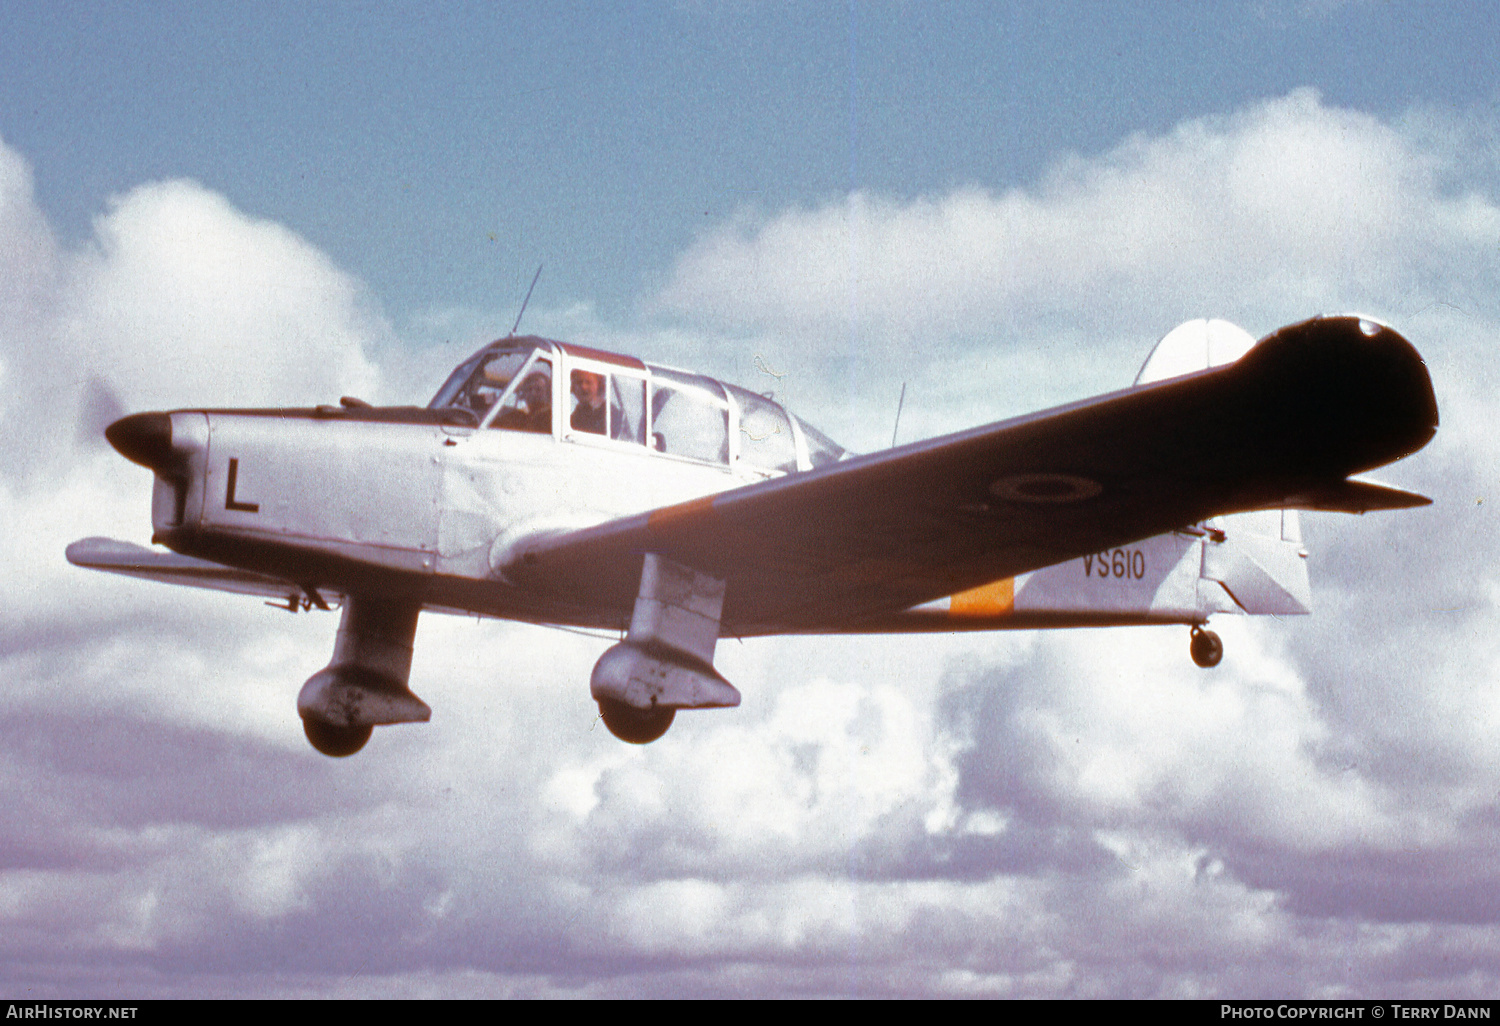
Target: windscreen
{"type": "Point", "coordinates": [821, 450]}
{"type": "Point", "coordinates": [481, 380]}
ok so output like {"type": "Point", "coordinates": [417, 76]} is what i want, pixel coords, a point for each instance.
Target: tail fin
{"type": "Point", "coordinates": [1194, 346]}
{"type": "Point", "coordinates": [1255, 559]}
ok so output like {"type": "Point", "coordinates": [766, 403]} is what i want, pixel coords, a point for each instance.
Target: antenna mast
{"type": "Point", "coordinates": [899, 403]}
{"type": "Point", "coordinates": [516, 325]}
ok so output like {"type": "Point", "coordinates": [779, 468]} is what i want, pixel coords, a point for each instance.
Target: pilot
{"type": "Point", "coordinates": [486, 387]}
{"type": "Point", "coordinates": [535, 394]}
{"type": "Point", "coordinates": [588, 415]}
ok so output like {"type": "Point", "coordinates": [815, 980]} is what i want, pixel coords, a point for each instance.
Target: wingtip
{"type": "Point", "coordinates": [80, 551]}
{"type": "Point", "coordinates": [95, 551]}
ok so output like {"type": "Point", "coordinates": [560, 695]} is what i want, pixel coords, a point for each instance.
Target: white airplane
{"type": "Point", "coordinates": [557, 484]}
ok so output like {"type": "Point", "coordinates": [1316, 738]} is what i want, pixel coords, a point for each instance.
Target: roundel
{"type": "Point", "coordinates": [1045, 488]}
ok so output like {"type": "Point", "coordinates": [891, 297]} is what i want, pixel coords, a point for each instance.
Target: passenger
{"type": "Point", "coordinates": [588, 415]}
{"type": "Point", "coordinates": [535, 394]}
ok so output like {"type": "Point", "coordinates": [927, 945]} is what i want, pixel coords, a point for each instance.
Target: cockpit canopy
{"type": "Point", "coordinates": [588, 395]}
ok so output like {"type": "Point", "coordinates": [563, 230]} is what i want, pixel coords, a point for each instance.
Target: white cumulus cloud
{"type": "Point", "coordinates": [1082, 813]}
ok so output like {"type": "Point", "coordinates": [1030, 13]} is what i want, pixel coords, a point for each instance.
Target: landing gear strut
{"type": "Point", "coordinates": [365, 685]}
{"type": "Point", "coordinates": [666, 661]}
{"type": "Point", "coordinates": [1205, 647]}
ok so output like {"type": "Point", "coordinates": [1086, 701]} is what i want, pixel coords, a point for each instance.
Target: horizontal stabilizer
{"type": "Point", "coordinates": [120, 557]}
{"type": "Point", "coordinates": [1356, 496]}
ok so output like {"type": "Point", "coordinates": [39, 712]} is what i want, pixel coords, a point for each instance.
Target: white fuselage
{"type": "Point", "coordinates": [323, 498]}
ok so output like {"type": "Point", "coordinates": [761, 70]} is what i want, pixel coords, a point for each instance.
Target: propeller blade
{"type": "Point", "coordinates": [100, 407]}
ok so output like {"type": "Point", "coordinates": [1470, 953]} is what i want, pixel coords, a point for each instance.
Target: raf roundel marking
{"type": "Point", "coordinates": [1045, 488]}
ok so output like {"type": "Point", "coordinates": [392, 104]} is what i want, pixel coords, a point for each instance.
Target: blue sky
{"type": "Point", "coordinates": [441, 151]}
{"type": "Point", "coordinates": [1001, 206]}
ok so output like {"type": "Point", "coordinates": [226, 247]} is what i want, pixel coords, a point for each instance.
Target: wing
{"type": "Point", "coordinates": [1288, 423]}
{"type": "Point", "coordinates": [154, 565]}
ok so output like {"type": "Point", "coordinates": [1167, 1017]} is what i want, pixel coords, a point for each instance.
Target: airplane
{"type": "Point", "coordinates": [559, 484]}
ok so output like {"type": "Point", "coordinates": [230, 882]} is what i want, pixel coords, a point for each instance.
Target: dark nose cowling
{"type": "Point", "coordinates": [144, 438]}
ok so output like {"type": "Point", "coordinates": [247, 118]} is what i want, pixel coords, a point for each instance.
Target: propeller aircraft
{"type": "Point", "coordinates": [558, 484]}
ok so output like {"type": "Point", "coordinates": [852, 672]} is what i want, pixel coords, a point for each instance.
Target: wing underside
{"type": "Point", "coordinates": [824, 550]}
{"type": "Point", "coordinates": [133, 560]}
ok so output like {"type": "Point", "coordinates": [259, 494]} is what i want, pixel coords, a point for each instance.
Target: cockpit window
{"type": "Point", "coordinates": [481, 380]}
{"type": "Point", "coordinates": [627, 408]}
{"type": "Point", "coordinates": [527, 406]}
{"type": "Point", "coordinates": [689, 416]}
{"type": "Point", "coordinates": [610, 403]}
{"type": "Point", "coordinates": [766, 439]}
{"type": "Point", "coordinates": [447, 396]}
{"type": "Point", "coordinates": [821, 450]}
{"type": "Point", "coordinates": [515, 383]}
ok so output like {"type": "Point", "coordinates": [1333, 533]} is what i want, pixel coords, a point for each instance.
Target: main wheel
{"type": "Point", "coordinates": [637, 726]}
{"type": "Point", "coordinates": [337, 742]}
{"type": "Point", "coordinates": [1205, 648]}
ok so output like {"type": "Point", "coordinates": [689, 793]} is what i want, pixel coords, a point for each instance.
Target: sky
{"type": "Point", "coordinates": [999, 206]}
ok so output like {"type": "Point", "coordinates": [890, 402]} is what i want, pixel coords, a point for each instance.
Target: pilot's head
{"type": "Point", "coordinates": [536, 390]}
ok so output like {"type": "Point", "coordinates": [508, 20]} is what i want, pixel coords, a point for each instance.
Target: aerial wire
{"type": "Point", "coordinates": [899, 403]}
{"type": "Point", "coordinates": [516, 325]}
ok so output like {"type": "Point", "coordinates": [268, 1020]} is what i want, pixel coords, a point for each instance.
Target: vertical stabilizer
{"type": "Point", "coordinates": [1194, 346]}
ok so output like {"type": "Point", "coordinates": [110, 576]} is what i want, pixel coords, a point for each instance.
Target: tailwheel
{"type": "Point", "coordinates": [1205, 647]}
{"type": "Point", "coordinates": [337, 742]}
{"type": "Point", "coordinates": [637, 726]}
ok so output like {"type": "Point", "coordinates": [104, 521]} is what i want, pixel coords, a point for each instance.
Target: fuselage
{"type": "Point", "coordinates": [433, 500]}
{"type": "Point", "coordinates": [531, 442]}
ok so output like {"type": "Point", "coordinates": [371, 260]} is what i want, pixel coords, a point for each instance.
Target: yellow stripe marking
{"type": "Point", "coordinates": [668, 515]}
{"type": "Point", "coordinates": [998, 598]}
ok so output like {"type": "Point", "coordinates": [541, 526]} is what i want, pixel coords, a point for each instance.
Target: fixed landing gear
{"type": "Point", "coordinates": [365, 684]}
{"type": "Point", "coordinates": [337, 742]}
{"type": "Point", "coordinates": [666, 660]}
{"type": "Point", "coordinates": [637, 726]}
{"type": "Point", "coordinates": [1205, 647]}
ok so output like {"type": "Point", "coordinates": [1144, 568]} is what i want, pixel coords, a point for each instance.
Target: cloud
{"type": "Point", "coordinates": [1081, 813]}
{"type": "Point", "coordinates": [991, 303]}
{"type": "Point", "coordinates": [1344, 766]}
{"type": "Point", "coordinates": [1283, 209]}
{"type": "Point", "coordinates": [223, 302]}
{"type": "Point", "coordinates": [178, 299]}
